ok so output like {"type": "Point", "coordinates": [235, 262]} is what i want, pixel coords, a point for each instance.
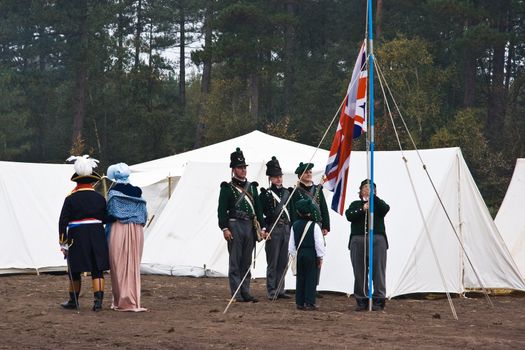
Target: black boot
{"type": "Point", "coordinates": [362, 304]}
{"type": "Point", "coordinates": [97, 305]}
{"type": "Point", "coordinates": [378, 304]}
{"type": "Point", "coordinates": [70, 304]}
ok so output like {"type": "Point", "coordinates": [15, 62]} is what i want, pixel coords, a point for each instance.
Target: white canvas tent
{"type": "Point", "coordinates": [31, 197]}
{"type": "Point", "coordinates": [510, 219]}
{"type": "Point", "coordinates": [186, 240]}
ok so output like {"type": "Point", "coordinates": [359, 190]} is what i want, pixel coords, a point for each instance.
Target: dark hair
{"type": "Point", "coordinates": [361, 188]}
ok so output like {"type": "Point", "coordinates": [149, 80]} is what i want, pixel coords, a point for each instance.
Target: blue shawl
{"type": "Point", "coordinates": [126, 209]}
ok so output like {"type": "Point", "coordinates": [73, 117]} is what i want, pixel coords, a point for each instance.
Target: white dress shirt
{"type": "Point", "coordinates": [318, 238]}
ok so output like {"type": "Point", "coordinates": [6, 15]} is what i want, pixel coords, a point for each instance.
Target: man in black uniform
{"type": "Point", "coordinates": [240, 215]}
{"type": "Point", "coordinates": [276, 213]}
{"type": "Point", "coordinates": [81, 232]}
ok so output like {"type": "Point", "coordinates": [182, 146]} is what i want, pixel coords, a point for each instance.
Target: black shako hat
{"type": "Point", "coordinates": [273, 168]}
{"type": "Point", "coordinates": [303, 167]}
{"type": "Point", "coordinates": [365, 182]}
{"type": "Point", "coordinates": [237, 159]}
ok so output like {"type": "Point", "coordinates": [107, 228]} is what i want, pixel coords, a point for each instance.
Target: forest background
{"type": "Point", "coordinates": [92, 76]}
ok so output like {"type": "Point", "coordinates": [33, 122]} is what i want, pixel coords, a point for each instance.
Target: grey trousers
{"type": "Point", "coordinates": [276, 258]}
{"type": "Point", "coordinates": [240, 249]}
{"type": "Point", "coordinates": [359, 257]}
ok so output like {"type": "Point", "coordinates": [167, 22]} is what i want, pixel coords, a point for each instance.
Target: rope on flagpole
{"type": "Point", "coordinates": [380, 73]}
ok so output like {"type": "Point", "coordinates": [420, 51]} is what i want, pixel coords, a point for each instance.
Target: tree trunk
{"type": "Point", "coordinates": [150, 66]}
{"type": "Point", "coordinates": [469, 69]}
{"type": "Point", "coordinates": [289, 58]}
{"type": "Point", "coordinates": [138, 33]}
{"type": "Point", "coordinates": [496, 98]}
{"type": "Point", "coordinates": [41, 119]}
{"type": "Point", "coordinates": [206, 75]}
{"type": "Point", "coordinates": [206, 70]}
{"type": "Point", "coordinates": [182, 68]}
{"type": "Point", "coordinates": [509, 66]}
{"type": "Point", "coordinates": [469, 96]}
{"type": "Point", "coordinates": [254, 97]}
{"type": "Point", "coordinates": [378, 18]}
{"type": "Point", "coordinates": [120, 36]}
{"type": "Point", "coordinates": [79, 95]}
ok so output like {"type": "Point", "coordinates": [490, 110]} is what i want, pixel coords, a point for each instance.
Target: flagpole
{"type": "Point", "coordinates": [371, 135]}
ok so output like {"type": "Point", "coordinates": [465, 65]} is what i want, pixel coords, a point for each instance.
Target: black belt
{"type": "Point", "coordinates": [280, 222]}
{"type": "Point", "coordinates": [240, 215]}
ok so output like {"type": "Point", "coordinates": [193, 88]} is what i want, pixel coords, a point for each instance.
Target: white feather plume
{"type": "Point", "coordinates": [83, 164]}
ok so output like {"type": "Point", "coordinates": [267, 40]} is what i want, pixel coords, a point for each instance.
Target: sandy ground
{"type": "Point", "coordinates": [187, 313]}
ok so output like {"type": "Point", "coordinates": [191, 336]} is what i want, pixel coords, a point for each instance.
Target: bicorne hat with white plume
{"type": "Point", "coordinates": [84, 169]}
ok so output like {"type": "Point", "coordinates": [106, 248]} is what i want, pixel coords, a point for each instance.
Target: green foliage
{"type": "Point", "coordinates": [14, 134]}
{"type": "Point", "coordinates": [227, 111]}
{"type": "Point", "coordinates": [247, 36]}
{"type": "Point", "coordinates": [282, 129]}
{"type": "Point", "coordinates": [278, 66]}
{"type": "Point", "coordinates": [466, 131]}
{"type": "Point", "coordinates": [417, 85]}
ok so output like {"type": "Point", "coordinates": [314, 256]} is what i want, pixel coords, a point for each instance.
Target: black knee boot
{"type": "Point", "coordinates": [99, 297]}
{"type": "Point", "coordinates": [98, 290]}
{"type": "Point", "coordinates": [74, 293]}
{"type": "Point", "coordinates": [70, 304]}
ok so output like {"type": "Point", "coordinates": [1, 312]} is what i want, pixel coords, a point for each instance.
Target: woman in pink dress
{"type": "Point", "coordinates": [127, 216]}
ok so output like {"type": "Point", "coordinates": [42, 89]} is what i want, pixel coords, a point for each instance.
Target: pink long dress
{"type": "Point", "coordinates": [126, 242]}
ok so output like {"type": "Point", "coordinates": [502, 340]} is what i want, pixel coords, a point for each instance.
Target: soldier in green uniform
{"type": "Point", "coordinates": [307, 189]}
{"type": "Point", "coordinates": [276, 215]}
{"type": "Point", "coordinates": [357, 214]}
{"type": "Point", "coordinates": [306, 243]}
{"type": "Point", "coordinates": [239, 213]}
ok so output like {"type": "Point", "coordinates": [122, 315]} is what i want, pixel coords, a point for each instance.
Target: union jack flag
{"type": "Point", "coordinates": [352, 123]}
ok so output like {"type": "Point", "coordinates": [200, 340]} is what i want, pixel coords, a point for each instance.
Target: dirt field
{"type": "Point", "coordinates": [187, 313]}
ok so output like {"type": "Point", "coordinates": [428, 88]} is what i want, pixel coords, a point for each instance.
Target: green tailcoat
{"type": "Point", "coordinates": [359, 217]}
{"type": "Point", "coordinates": [270, 205]}
{"type": "Point", "coordinates": [228, 197]}
{"type": "Point", "coordinates": [321, 215]}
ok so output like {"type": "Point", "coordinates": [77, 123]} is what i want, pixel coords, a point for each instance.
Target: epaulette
{"type": "Point", "coordinates": [290, 189]}
{"type": "Point", "coordinates": [224, 183]}
{"type": "Point", "coordinates": [255, 183]}
{"type": "Point", "coordinates": [263, 190]}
